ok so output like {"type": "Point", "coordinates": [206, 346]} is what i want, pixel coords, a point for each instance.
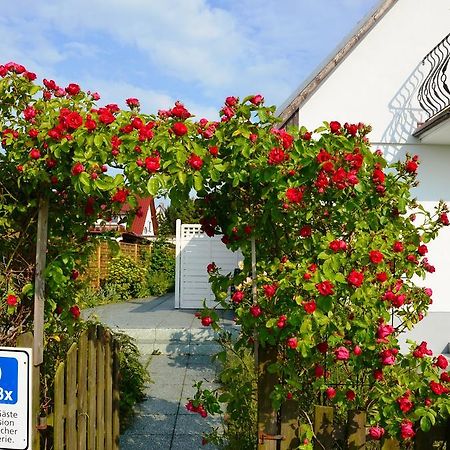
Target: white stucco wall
{"type": "Point", "coordinates": [377, 84]}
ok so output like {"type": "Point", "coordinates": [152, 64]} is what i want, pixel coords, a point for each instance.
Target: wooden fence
{"type": "Point", "coordinates": [86, 398]}
{"type": "Point", "coordinates": [352, 436]}
{"type": "Point", "coordinates": [97, 269]}
{"type": "Point", "coordinates": [86, 395]}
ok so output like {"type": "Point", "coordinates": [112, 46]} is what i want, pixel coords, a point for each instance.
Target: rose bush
{"type": "Point", "coordinates": [334, 225]}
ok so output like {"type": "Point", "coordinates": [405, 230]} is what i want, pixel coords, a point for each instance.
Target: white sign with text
{"type": "Point", "coordinates": [15, 398]}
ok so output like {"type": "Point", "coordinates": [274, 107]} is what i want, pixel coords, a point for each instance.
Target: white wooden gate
{"type": "Point", "coordinates": [194, 251]}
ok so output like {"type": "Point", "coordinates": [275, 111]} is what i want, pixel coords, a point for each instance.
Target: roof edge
{"type": "Point", "coordinates": [312, 84]}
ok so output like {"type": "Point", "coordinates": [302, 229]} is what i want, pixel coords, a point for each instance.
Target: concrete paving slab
{"type": "Point", "coordinates": [152, 424]}
{"type": "Point", "coordinates": [195, 424]}
{"type": "Point", "coordinates": [155, 405]}
{"type": "Point", "coordinates": [146, 442]}
{"type": "Point", "coordinates": [189, 442]}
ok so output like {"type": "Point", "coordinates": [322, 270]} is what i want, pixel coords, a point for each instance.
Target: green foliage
{"type": "Point", "coordinates": [89, 297]}
{"type": "Point", "coordinates": [134, 378]}
{"type": "Point", "coordinates": [161, 267]}
{"type": "Point", "coordinates": [235, 399]}
{"type": "Point", "coordinates": [126, 278]}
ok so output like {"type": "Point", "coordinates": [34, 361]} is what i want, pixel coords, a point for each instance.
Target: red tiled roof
{"type": "Point", "coordinates": [138, 224]}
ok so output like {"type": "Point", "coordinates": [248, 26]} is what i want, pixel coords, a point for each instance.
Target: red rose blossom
{"type": "Point", "coordinates": [294, 195]}
{"type": "Point", "coordinates": [237, 297]}
{"type": "Point", "coordinates": [325, 288]}
{"type": "Point", "coordinates": [77, 169]}
{"type": "Point", "coordinates": [292, 342]}
{"type": "Point", "coordinates": [132, 102]}
{"type": "Point", "coordinates": [206, 321]}
{"type": "Point", "coordinates": [330, 393]}
{"type": "Point", "coordinates": [152, 164]}
{"type": "Point", "coordinates": [120, 196]}
{"type": "Point", "coordinates": [355, 278]}
{"type": "Point", "coordinates": [376, 433]}
{"type": "Point", "coordinates": [179, 128]}
{"type": "Point", "coordinates": [75, 311]}
{"type": "Point", "coordinates": [407, 429]}
{"type": "Point", "coordinates": [376, 257]}
{"type": "Point", "coordinates": [335, 127]}
{"type": "Point", "coordinates": [397, 247]}
{"type": "Point", "coordinates": [257, 99]}
{"type": "Point", "coordinates": [195, 161]}
{"type": "Point", "coordinates": [11, 300]}
{"type": "Point", "coordinates": [276, 156]}
{"type": "Point", "coordinates": [342, 353]}
{"type": "Point", "coordinates": [309, 307]}
{"type": "Point", "coordinates": [441, 362]}
{"type": "Point", "coordinates": [270, 290]}
{"type": "Point", "coordinates": [255, 310]}
{"type": "Point", "coordinates": [72, 89]}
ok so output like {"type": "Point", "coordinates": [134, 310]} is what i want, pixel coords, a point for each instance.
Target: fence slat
{"type": "Point", "coordinates": [71, 398]}
{"type": "Point", "coordinates": [356, 430]}
{"type": "Point", "coordinates": [323, 426]}
{"type": "Point", "coordinates": [100, 389]}
{"type": "Point", "coordinates": [116, 397]}
{"type": "Point", "coordinates": [82, 390]}
{"type": "Point", "coordinates": [92, 380]}
{"type": "Point", "coordinates": [59, 412]}
{"type": "Point", "coordinates": [290, 425]}
{"type": "Point", "coordinates": [26, 341]}
{"type": "Point", "coordinates": [108, 392]}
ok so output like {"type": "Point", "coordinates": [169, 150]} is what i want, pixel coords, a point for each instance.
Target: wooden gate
{"type": "Point", "coordinates": [86, 403]}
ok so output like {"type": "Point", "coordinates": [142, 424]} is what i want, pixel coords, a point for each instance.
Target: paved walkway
{"type": "Point", "coordinates": [162, 421]}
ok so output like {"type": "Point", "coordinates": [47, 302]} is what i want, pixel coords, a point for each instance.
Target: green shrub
{"type": "Point", "coordinates": [133, 379]}
{"type": "Point", "coordinates": [126, 277]}
{"type": "Point", "coordinates": [238, 394]}
{"type": "Point", "coordinates": [159, 283]}
{"type": "Point", "coordinates": [160, 263]}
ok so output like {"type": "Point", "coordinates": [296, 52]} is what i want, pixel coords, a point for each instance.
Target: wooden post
{"type": "Point", "coordinates": [356, 433]}
{"type": "Point", "coordinates": [39, 282]}
{"type": "Point", "coordinates": [390, 444]}
{"type": "Point", "coordinates": [267, 416]}
{"type": "Point", "coordinates": [290, 425]}
{"type": "Point", "coordinates": [26, 340]}
{"type": "Point", "coordinates": [323, 427]}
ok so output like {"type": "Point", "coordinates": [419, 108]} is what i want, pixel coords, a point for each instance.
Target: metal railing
{"type": "Point", "coordinates": [434, 93]}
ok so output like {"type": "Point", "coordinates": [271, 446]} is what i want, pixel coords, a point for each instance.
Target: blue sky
{"type": "Point", "coordinates": [197, 51]}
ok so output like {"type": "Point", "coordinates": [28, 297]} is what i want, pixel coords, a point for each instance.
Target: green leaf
{"type": "Point", "coordinates": [153, 186]}
{"type": "Point", "coordinates": [198, 182]}
{"type": "Point", "coordinates": [85, 179]}
{"type": "Point", "coordinates": [425, 424]}
{"type": "Point", "coordinates": [104, 183]}
{"type": "Point", "coordinates": [98, 140]}
{"type": "Point", "coordinates": [182, 177]}
{"type": "Point", "coordinates": [325, 304]}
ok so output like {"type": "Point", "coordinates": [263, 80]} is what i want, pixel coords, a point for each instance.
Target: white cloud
{"type": "Point", "coordinates": [211, 48]}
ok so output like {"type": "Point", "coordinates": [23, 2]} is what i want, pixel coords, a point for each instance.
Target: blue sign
{"type": "Point", "coordinates": [9, 375]}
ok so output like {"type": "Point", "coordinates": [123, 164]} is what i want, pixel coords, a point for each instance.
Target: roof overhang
{"type": "Point", "coordinates": [435, 130]}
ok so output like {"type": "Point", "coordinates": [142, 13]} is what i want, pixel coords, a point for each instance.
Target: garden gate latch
{"type": "Point", "coordinates": [270, 437]}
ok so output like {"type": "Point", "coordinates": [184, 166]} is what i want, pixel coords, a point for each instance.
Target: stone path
{"type": "Point", "coordinates": [162, 421]}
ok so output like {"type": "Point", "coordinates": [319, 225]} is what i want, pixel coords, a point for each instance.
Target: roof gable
{"type": "Point", "coordinates": [311, 84]}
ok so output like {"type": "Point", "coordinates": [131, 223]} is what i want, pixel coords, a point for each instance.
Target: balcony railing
{"type": "Point", "coordinates": [434, 93]}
